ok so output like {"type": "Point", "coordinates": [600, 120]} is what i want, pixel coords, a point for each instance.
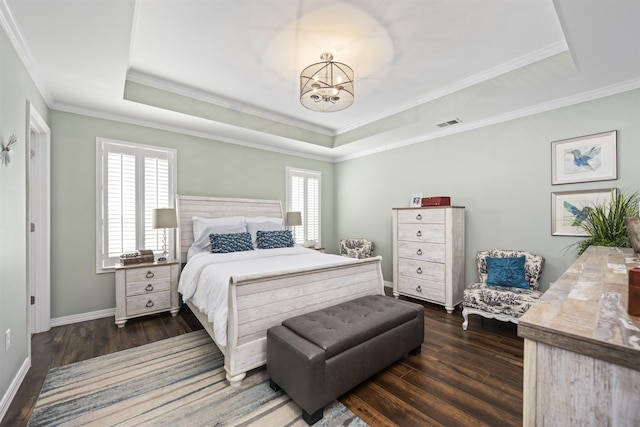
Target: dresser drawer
{"type": "Point", "coordinates": [435, 252]}
{"type": "Point", "coordinates": [153, 272]}
{"type": "Point", "coordinates": [425, 270]}
{"type": "Point", "coordinates": [141, 304]}
{"type": "Point", "coordinates": [147, 287]}
{"type": "Point", "coordinates": [421, 216]}
{"type": "Point", "coordinates": [429, 233]}
{"type": "Point", "coordinates": [421, 289]}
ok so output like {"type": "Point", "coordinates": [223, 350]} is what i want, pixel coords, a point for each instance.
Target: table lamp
{"type": "Point", "coordinates": [164, 218]}
{"type": "Point", "coordinates": [294, 219]}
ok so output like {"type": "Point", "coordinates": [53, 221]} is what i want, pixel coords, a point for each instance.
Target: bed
{"type": "Point", "coordinates": [256, 301]}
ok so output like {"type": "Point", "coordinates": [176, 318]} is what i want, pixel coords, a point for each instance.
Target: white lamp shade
{"type": "Point", "coordinates": [294, 219]}
{"type": "Point", "coordinates": [164, 218]}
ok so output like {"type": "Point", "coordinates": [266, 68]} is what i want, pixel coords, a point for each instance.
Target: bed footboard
{"type": "Point", "coordinates": [259, 302]}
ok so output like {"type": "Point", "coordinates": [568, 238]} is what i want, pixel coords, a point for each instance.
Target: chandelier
{"type": "Point", "coordinates": [326, 86]}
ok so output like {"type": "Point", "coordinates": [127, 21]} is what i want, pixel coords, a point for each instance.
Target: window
{"type": "Point", "coordinates": [303, 195]}
{"type": "Point", "coordinates": [132, 179]}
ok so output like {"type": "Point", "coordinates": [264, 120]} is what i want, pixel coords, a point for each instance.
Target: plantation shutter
{"type": "Point", "coordinates": [304, 196]}
{"type": "Point", "coordinates": [312, 231]}
{"type": "Point", "coordinates": [135, 180]}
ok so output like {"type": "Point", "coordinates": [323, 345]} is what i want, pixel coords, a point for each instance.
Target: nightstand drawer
{"type": "Point", "coordinates": [148, 287]}
{"type": "Point", "coordinates": [153, 272]}
{"type": "Point", "coordinates": [142, 304]}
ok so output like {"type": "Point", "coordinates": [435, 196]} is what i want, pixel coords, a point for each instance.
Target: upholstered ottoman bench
{"type": "Point", "coordinates": [317, 357]}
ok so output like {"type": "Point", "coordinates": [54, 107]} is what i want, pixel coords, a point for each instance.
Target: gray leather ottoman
{"type": "Point", "coordinates": [317, 357]}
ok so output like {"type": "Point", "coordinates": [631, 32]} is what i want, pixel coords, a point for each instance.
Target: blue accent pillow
{"type": "Point", "coordinates": [274, 239]}
{"type": "Point", "coordinates": [230, 242]}
{"type": "Point", "coordinates": [506, 272]}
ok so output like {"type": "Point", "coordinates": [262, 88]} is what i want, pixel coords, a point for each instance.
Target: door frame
{"type": "Point", "coordinates": [38, 137]}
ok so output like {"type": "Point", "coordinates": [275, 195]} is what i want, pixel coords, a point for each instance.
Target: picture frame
{"type": "Point", "coordinates": [416, 200]}
{"type": "Point", "coordinates": [584, 159]}
{"type": "Point", "coordinates": [567, 209]}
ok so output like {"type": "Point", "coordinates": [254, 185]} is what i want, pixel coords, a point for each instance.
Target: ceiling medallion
{"type": "Point", "coordinates": [326, 86]}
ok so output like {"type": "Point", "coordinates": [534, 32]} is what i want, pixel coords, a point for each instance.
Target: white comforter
{"type": "Point", "coordinates": [205, 278]}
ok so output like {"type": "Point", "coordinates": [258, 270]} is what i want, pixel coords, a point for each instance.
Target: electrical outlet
{"type": "Point", "coordinates": [7, 340]}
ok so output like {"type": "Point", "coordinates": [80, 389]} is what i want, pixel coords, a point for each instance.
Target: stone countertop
{"type": "Point", "coordinates": [585, 310]}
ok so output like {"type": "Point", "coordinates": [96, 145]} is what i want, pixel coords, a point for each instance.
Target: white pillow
{"type": "Point", "coordinates": [254, 226]}
{"type": "Point", "coordinates": [202, 227]}
{"type": "Point", "coordinates": [250, 219]}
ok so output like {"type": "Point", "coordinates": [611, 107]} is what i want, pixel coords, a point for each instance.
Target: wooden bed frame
{"type": "Point", "coordinates": [258, 302]}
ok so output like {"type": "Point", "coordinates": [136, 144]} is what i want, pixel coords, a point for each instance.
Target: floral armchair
{"type": "Point", "coordinates": [356, 248]}
{"type": "Point", "coordinates": [505, 303]}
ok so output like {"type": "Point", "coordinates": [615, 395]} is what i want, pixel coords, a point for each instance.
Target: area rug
{"type": "Point", "coordinates": [179, 381]}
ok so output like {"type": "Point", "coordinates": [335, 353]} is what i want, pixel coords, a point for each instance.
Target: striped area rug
{"type": "Point", "coordinates": [179, 381]}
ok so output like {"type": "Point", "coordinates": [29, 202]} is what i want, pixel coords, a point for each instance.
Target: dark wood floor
{"type": "Point", "coordinates": [460, 378]}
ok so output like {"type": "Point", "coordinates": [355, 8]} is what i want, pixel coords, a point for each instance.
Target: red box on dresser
{"type": "Point", "coordinates": [633, 306]}
{"type": "Point", "coordinates": [436, 201]}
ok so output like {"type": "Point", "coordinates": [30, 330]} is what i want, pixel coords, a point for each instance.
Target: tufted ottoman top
{"type": "Point", "coordinates": [340, 327]}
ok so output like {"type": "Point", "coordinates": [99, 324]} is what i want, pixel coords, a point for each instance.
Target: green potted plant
{"type": "Point", "coordinates": [605, 223]}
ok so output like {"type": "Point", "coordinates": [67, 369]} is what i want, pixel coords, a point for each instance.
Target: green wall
{"type": "Point", "coordinates": [205, 167]}
{"type": "Point", "coordinates": [500, 173]}
{"type": "Point", "coordinates": [16, 89]}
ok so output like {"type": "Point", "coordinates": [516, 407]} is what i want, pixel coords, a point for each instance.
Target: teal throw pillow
{"type": "Point", "coordinates": [274, 239]}
{"type": "Point", "coordinates": [506, 272]}
{"type": "Point", "coordinates": [230, 242]}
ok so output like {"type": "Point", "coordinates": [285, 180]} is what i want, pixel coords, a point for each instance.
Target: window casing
{"type": "Point", "coordinates": [303, 195]}
{"type": "Point", "coordinates": [132, 180]}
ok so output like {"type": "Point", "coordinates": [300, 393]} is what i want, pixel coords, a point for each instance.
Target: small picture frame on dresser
{"type": "Point", "coordinates": [416, 200]}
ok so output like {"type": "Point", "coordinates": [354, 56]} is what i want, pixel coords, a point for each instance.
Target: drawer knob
{"type": "Point", "coordinates": [419, 270]}
{"type": "Point", "coordinates": [419, 289]}
{"type": "Point", "coordinates": [419, 252]}
{"type": "Point", "coordinates": [419, 217]}
{"type": "Point", "coordinates": [419, 233]}
{"type": "Point", "coordinates": [149, 274]}
{"type": "Point", "coordinates": [149, 287]}
{"type": "Point", "coordinates": [149, 304]}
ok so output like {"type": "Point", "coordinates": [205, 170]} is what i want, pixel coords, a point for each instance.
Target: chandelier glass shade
{"type": "Point", "coordinates": [326, 86]}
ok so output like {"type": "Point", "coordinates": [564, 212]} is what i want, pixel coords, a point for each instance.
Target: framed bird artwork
{"type": "Point", "coordinates": [569, 209]}
{"type": "Point", "coordinates": [5, 154]}
{"type": "Point", "coordinates": [584, 159]}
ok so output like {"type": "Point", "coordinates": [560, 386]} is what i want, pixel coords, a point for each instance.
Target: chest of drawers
{"type": "Point", "coordinates": [143, 289]}
{"type": "Point", "coordinates": [428, 254]}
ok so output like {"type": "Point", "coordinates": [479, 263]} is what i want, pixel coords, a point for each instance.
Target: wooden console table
{"type": "Point", "coordinates": [581, 348]}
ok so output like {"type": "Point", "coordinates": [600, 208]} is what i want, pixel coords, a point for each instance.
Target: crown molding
{"type": "Point", "coordinates": [8, 24]}
{"type": "Point", "coordinates": [463, 127]}
{"type": "Point", "coordinates": [186, 131]}
{"type": "Point", "coordinates": [496, 71]}
{"type": "Point", "coordinates": [592, 95]}
{"type": "Point", "coordinates": [167, 86]}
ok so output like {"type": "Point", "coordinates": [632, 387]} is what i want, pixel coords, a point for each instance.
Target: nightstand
{"type": "Point", "coordinates": [148, 288]}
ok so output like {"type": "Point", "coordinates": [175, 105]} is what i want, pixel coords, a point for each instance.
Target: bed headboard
{"type": "Point", "coordinates": [217, 207]}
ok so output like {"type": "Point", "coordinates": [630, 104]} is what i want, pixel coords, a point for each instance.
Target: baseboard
{"type": "Point", "coordinates": [388, 284]}
{"type": "Point", "coordinates": [14, 386]}
{"type": "Point", "coordinates": [83, 317]}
